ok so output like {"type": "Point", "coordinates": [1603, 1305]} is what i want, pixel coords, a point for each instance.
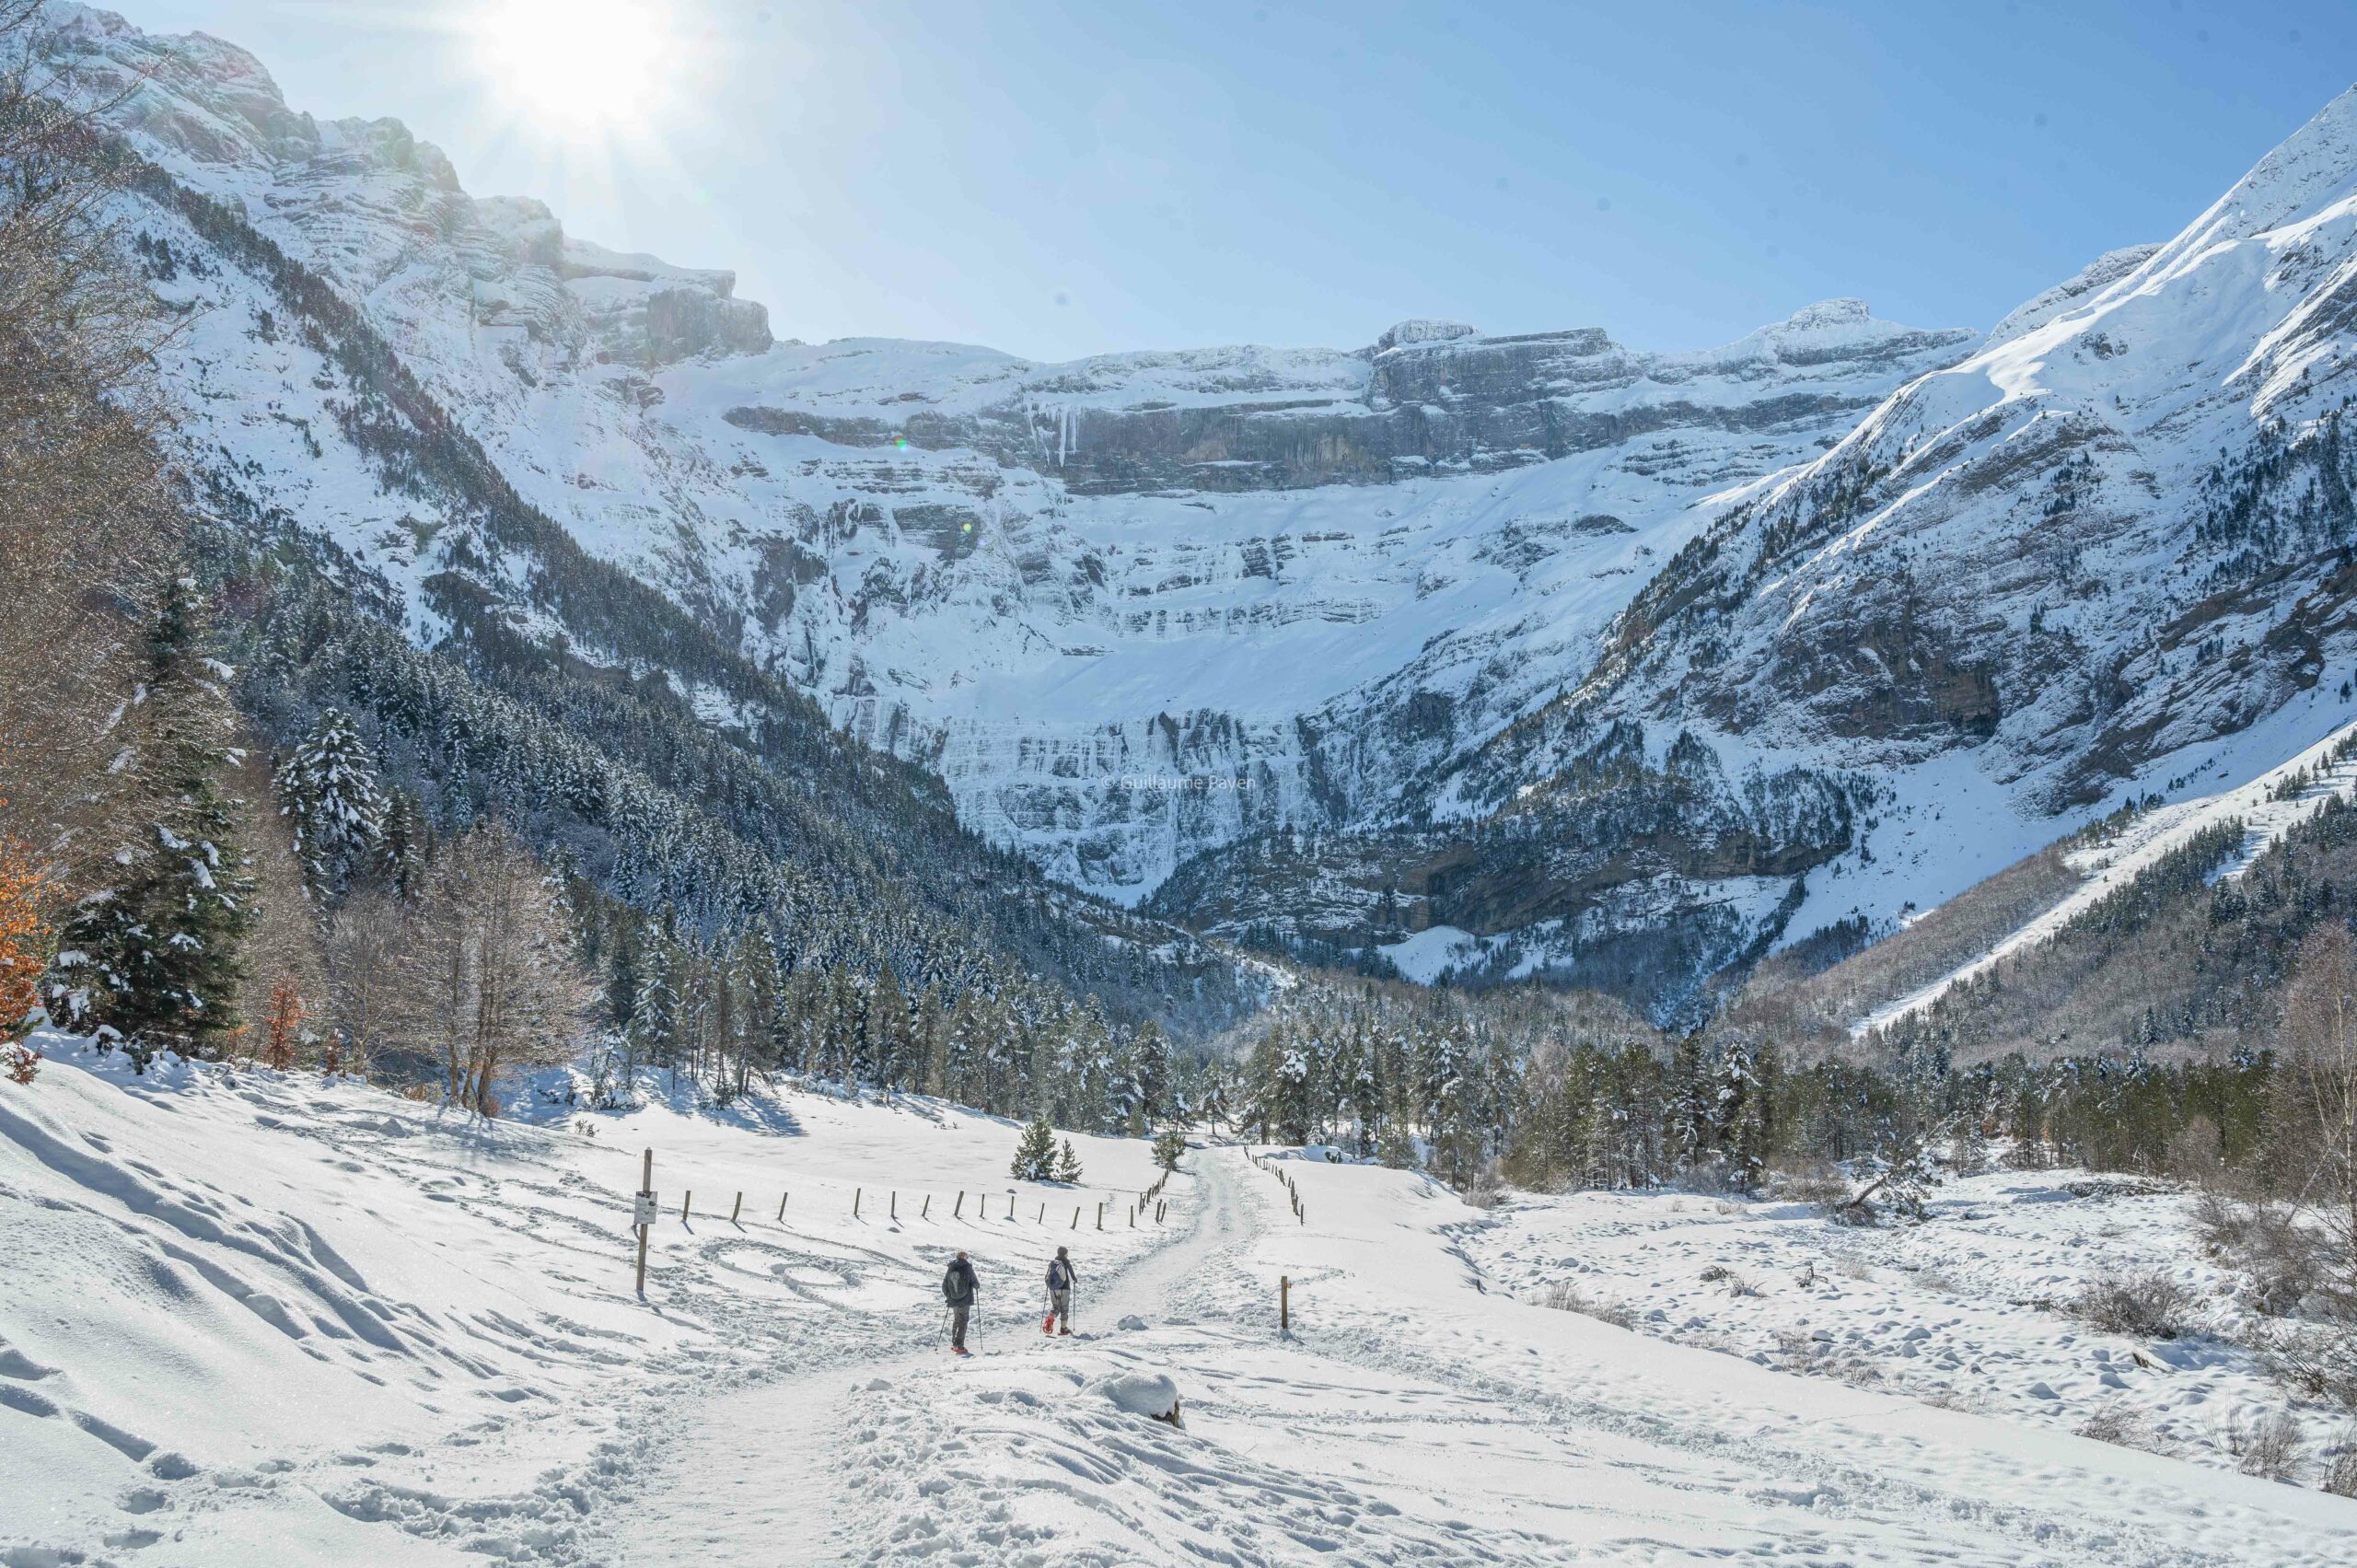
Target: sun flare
{"type": "Point", "coordinates": [581, 67]}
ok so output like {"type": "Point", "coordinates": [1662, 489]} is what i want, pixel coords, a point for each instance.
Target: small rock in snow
{"type": "Point", "coordinates": [1132, 1324]}
{"type": "Point", "coordinates": [877, 1384]}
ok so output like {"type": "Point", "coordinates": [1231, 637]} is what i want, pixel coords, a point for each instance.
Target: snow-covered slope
{"type": "Point", "coordinates": [1971, 1310]}
{"type": "Point", "coordinates": [1130, 608]}
{"type": "Point", "coordinates": [256, 1319]}
{"type": "Point", "coordinates": [2266, 808]}
{"type": "Point", "coordinates": [2106, 558]}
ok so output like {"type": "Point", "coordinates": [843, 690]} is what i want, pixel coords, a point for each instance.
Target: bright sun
{"type": "Point", "coordinates": [580, 66]}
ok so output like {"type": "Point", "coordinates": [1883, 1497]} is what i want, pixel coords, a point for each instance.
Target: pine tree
{"type": "Point", "coordinates": [152, 961]}
{"type": "Point", "coordinates": [888, 1033]}
{"type": "Point", "coordinates": [406, 845]}
{"type": "Point", "coordinates": [1169, 1145]}
{"type": "Point", "coordinates": [657, 1014]}
{"type": "Point", "coordinates": [1397, 1145]}
{"type": "Point", "coordinates": [1150, 1074]}
{"type": "Point", "coordinates": [1068, 1164]}
{"type": "Point", "coordinates": [331, 794]}
{"type": "Point", "coordinates": [1034, 1156]}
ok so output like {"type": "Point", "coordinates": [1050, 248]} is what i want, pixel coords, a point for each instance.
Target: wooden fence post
{"type": "Point", "coordinates": [1075, 1217]}
{"type": "Point", "coordinates": [1043, 1214]}
{"type": "Point", "coordinates": [780, 1206]}
{"type": "Point", "coordinates": [895, 1205]}
{"type": "Point", "coordinates": [926, 1212]}
{"type": "Point", "coordinates": [646, 1190]}
{"type": "Point", "coordinates": [1100, 1216]}
{"type": "Point", "coordinates": [958, 1209]}
{"type": "Point", "coordinates": [1285, 1305]}
{"type": "Point", "coordinates": [737, 1209]}
{"type": "Point", "coordinates": [685, 1199]}
{"type": "Point", "coordinates": [854, 1201]}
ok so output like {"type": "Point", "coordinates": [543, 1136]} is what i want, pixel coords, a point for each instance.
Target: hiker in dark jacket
{"type": "Point", "coordinates": [959, 1287]}
{"type": "Point", "coordinates": [1061, 1279]}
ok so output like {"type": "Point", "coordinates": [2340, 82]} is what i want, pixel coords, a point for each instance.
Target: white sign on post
{"type": "Point", "coordinates": [642, 1211]}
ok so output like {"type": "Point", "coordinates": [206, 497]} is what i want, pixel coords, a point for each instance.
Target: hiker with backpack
{"type": "Point", "coordinates": [1061, 1279]}
{"type": "Point", "coordinates": [959, 1287]}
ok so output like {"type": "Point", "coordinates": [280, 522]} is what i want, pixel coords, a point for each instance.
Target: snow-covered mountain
{"type": "Point", "coordinates": [1507, 653]}
{"type": "Point", "coordinates": [2106, 558]}
{"type": "Point", "coordinates": [1130, 608]}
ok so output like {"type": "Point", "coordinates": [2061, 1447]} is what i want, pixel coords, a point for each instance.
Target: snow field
{"type": "Point", "coordinates": [257, 1318]}
{"type": "Point", "coordinates": [1971, 1310]}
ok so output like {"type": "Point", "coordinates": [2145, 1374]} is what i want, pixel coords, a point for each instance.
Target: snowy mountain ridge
{"type": "Point", "coordinates": [1067, 588]}
{"type": "Point", "coordinates": [2102, 560]}
{"type": "Point", "coordinates": [1621, 665]}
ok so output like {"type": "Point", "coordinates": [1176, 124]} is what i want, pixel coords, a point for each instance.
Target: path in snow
{"type": "Point", "coordinates": [779, 1474]}
{"type": "Point", "coordinates": [1416, 1418]}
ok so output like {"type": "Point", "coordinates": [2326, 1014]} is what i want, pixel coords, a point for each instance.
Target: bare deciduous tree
{"type": "Point", "coordinates": [85, 508]}
{"type": "Point", "coordinates": [2317, 1088]}
{"type": "Point", "coordinates": [367, 939]}
{"type": "Point", "coordinates": [491, 978]}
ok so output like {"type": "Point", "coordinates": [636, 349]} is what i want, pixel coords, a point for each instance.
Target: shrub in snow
{"type": "Point", "coordinates": [2267, 1447]}
{"type": "Point", "coordinates": [2124, 1427]}
{"type": "Point", "coordinates": [2340, 1467]}
{"type": "Point", "coordinates": [1564, 1296]}
{"type": "Point", "coordinates": [1796, 1348]}
{"type": "Point", "coordinates": [2316, 1360]}
{"type": "Point", "coordinates": [2147, 1305]}
{"type": "Point", "coordinates": [2287, 1259]}
{"type": "Point", "coordinates": [1813, 1182]}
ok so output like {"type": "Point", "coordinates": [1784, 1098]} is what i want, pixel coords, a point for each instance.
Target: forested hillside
{"type": "Point", "coordinates": [261, 799]}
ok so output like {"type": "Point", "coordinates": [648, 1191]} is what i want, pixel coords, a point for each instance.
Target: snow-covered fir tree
{"type": "Point", "coordinates": [329, 793]}
{"type": "Point", "coordinates": [1035, 1153]}
{"type": "Point", "coordinates": [152, 959]}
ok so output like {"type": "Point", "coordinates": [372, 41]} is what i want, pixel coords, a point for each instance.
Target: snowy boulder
{"type": "Point", "coordinates": [1131, 1324]}
{"type": "Point", "coordinates": [1141, 1393]}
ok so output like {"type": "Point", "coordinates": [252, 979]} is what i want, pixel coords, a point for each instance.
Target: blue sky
{"type": "Point", "coordinates": [1058, 180]}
